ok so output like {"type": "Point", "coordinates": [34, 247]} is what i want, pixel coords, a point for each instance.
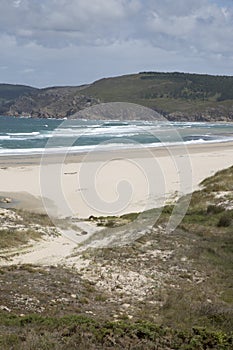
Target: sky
{"type": "Point", "coordinates": [73, 42]}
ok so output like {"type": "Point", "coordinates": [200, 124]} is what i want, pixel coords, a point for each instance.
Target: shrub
{"type": "Point", "coordinates": [225, 220]}
{"type": "Point", "coordinates": [214, 209]}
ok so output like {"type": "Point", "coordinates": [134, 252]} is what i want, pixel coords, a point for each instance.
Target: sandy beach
{"type": "Point", "coordinates": [109, 182]}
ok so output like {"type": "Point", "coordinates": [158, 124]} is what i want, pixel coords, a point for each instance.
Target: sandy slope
{"type": "Point", "coordinates": [107, 183]}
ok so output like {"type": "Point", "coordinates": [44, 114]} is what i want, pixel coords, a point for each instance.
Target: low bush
{"type": "Point", "coordinates": [225, 220]}
{"type": "Point", "coordinates": [214, 209]}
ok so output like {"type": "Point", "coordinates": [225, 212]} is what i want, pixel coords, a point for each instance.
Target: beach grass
{"type": "Point", "coordinates": [14, 238]}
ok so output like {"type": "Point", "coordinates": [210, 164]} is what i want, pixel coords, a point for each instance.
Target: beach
{"type": "Point", "coordinates": [105, 183]}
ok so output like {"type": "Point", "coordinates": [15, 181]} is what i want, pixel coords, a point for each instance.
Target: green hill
{"type": "Point", "coordinates": [178, 96]}
{"type": "Point", "coordinates": [182, 93]}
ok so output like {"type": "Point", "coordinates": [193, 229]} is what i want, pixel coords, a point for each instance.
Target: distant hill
{"type": "Point", "coordinates": [9, 93]}
{"type": "Point", "coordinates": [178, 96]}
{"type": "Point", "coordinates": [56, 102]}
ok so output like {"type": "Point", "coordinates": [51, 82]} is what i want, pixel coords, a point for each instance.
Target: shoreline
{"type": "Point", "coordinates": [215, 121]}
{"type": "Point", "coordinates": [92, 183]}
{"type": "Point", "coordinates": [14, 160]}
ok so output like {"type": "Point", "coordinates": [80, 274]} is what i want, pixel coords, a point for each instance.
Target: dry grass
{"type": "Point", "coordinates": [13, 238]}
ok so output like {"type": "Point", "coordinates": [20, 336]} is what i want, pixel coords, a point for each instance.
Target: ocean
{"type": "Point", "coordinates": [33, 136]}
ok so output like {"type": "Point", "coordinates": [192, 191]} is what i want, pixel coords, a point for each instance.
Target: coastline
{"type": "Point", "coordinates": [156, 176]}
{"type": "Point", "coordinates": [15, 160]}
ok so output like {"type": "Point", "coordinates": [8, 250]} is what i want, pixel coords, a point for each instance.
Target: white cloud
{"type": "Point", "coordinates": [205, 27]}
{"type": "Point", "coordinates": [95, 38]}
{"type": "Point", "coordinates": [58, 23]}
{"type": "Point", "coordinates": [16, 3]}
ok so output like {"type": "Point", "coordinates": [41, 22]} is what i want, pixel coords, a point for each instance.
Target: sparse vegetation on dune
{"type": "Point", "coordinates": [19, 227]}
{"type": "Point", "coordinates": [35, 218]}
{"type": "Point", "coordinates": [13, 238]}
{"type": "Point", "coordinates": [151, 291]}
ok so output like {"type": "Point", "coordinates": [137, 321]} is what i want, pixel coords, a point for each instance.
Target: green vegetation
{"type": "Point", "coordinates": [192, 86]}
{"type": "Point", "coordinates": [167, 92]}
{"type": "Point", "coordinates": [82, 332]}
{"type": "Point", "coordinates": [114, 221]}
{"type": "Point", "coordinates": [226, 219]}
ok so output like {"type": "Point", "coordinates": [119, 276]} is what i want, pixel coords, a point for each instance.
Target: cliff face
{"type": "Point", "coordinates": [51, 103]}
{"type": "Point", "coordinates": [177, 96]}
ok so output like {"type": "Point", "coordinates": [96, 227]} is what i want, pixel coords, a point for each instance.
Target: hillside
{"type": "Point", "coordinates": [56, 102]}
{"type": "Point", "coordinates": [178, 96]}
{"type": "Point", "coordinates": [10, 93]}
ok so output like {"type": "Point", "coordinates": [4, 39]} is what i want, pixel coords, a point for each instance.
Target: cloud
{"type": "Point", "coordinates": [16, 3]}
{"type": "Point", "coordinates": [113, 37]}
{"type": "Point", "coordinates": [57, 23]}
{"type": "Point", "coordinates": [199, 25]}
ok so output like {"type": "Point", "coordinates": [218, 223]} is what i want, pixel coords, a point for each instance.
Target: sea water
{"type": "Point", "coordinates": [32, 136]}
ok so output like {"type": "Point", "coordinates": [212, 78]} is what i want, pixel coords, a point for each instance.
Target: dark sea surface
{"type": "Point", "coordinates": [31, 136]}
